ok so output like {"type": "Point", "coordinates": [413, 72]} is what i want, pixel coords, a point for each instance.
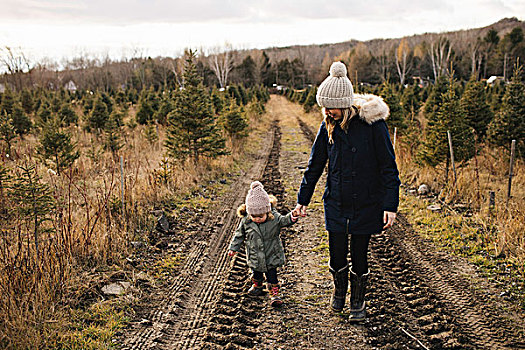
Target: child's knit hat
{"type": "Point", "coordinates": [257, 200]}
{"type": "Point", "coordinates": [336, 91]}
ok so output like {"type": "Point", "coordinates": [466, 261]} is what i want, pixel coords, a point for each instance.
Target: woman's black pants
{"type": "Point", "coordinates": [338, 246]}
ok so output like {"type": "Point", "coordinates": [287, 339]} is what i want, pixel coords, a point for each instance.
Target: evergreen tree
{"type": "Point", "coordinates": [192, 127]}
{"type": "Point", "coordinates": [150, 133]}
{"type": "Point", "coordinates": [397, 114]}
{"type": "Point", "coordinates": [166, 106]}
{"type": "Point", "coordinates": [99, 115]}
{"type": "Point", "coordinates": [56, 146]}
{"type": "Point", "coordinates": [435, 97]}
{"type": "Point", "coordinates": [27, 101]}
{"type": "Point", "coordinates": [474, 102]}
{"type": "Point", "coordinates": [7, 131]}
{"type": "Point", "coordinates": [107, 101]}
{"type": "Point", "coordinates": [449, 116]}
{"type": "Point", "coordinates": [410, 100]}
{"type": "Point", "coordinates": [21, 121]}
{"type": "Point", "coordinates": [8, 102]}
{"type": "Point", "coordinates": [310, 102]}
{"type": "Point", "coordinates": [34, 201]}
{"type": "Point", "coordinates": [112, 132]}
{"type": "Point", "coordinates": [217, 101]}
{"type": "Point", "coordinates": [145, 112]}
{"type": "Point", "coordinates": [234, 123]}
{"type": "Point", "coordinates": [44, 112]}
{"type": "Point", "coordinates": [67, 115]}
{"type": "Point", "coordinates": [509, 122]}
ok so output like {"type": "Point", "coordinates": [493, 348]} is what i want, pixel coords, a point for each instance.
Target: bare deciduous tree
{"type": "Point", "coordinates": [403, 62]}
{"type": "Point", "coordinates": [440, 52]}
{"type": "Point", "coordinates": [221, 62]}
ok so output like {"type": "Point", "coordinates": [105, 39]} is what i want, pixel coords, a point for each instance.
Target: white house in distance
{"type": "Point", "coordinates": [70, 86]}
{"type": "Point", "coordinates": [493, 79]}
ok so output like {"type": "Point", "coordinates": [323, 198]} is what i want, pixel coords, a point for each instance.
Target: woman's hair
{"type": "Point", "coordinates": [241, 211]}
{"type": "Point", "coordinates": [348, 113]}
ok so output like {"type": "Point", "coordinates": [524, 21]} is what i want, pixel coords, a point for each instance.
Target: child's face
{"type": "Point", "coordinates": [259, 219]}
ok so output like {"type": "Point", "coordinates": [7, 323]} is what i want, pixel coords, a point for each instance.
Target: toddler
{"type": "Point", "coordinates": [259, 230]}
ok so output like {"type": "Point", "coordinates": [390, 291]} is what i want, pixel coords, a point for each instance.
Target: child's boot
{"type": "Point", "coordinates": [257, 288]}
{"type": "Point", "coordinates": [275, 299]}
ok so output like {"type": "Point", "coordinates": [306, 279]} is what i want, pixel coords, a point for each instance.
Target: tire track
{"type": "Point", "coordinates": [236, 320]}
{"type": "Point", "coordinates": [179, 317]}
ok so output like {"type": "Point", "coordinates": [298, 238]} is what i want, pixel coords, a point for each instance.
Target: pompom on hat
{"type": "Point", "coordinates": [336, 91]}
{"type": "Point", "coordinates": [257, 200]}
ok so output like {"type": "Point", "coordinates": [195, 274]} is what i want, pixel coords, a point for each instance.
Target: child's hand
{"type": "Point", "coordinates": [296, 213]}
{"type": "Point", "coordinates": [231, 253]}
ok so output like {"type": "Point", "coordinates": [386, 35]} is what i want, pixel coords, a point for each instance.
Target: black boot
{"type": "Point", "coordinates": [357, 296]}
{"type": "Point", "coordinates": [337, 303]}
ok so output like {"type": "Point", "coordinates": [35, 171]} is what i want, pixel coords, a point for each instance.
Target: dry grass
{"type": "Point", "coordinates": [498, 231]}
{"type": "Point", "coordinates": [87, 235]}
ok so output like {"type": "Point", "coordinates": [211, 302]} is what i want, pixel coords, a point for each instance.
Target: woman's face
{"type": "Point", "coordinates": [335, 113]}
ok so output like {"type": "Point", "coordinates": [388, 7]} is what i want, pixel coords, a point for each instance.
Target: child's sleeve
{"type": "Point", "coordinates": [238, 237]}
{"type": "Point", "coordinates": [285, 220]}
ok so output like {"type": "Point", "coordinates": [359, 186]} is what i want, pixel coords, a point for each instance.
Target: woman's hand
{"type": "Point", "coordinates": [231, 253]}
{"type": "Point", "coordinates": [388, 219]}
{"type": "Point", "coordinates": [301, 209]}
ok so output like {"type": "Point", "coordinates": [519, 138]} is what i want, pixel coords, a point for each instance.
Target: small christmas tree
{"type": "Point", "coordinates": [474, 102]}
{"type": "Point", "coordinates": [192, 126]}
{"type": "Point", "coordinates": [56, 146]}
{"type": "Point", "coordinates": [21, 121]}
{"type": "Point", "coordinates": [448, 117]}
{"type": "Point", "coordinates": [509, 122]}
{"type": "Point", "coordinates": [112, 133]}
{"type": "Point", "coordinates": [27, 101]}
{"type": "Point", "coordinates": [67, 114]}
{"type": "Point", "coordinates": [235, 124]}
{"type": "Point", "coordinates": [99, 115]}
{"type": "Point", "coordinates": [397, 114]}
{"type": "Point", "coordinates": [7, 131]}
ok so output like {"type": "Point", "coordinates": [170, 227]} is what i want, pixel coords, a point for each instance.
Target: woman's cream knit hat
{"type": "Point", "coordinates": [257, 200]}
{"type": "Point", "coordinates": [336, 91]}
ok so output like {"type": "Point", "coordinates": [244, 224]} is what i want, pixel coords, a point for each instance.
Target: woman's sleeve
{"type": "Point", "coordinates": [387, 166]}
{"type": "Point", "coordinates": [238, 237]}
{"type": "Point", "coordinates": [316, 164]}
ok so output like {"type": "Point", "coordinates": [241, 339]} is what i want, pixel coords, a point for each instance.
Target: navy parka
{"type": "Point", "coordinates": [363, 179]}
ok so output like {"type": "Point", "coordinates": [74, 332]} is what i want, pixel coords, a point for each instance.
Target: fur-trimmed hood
{"type": "Point", "coordinates": [371, 107]}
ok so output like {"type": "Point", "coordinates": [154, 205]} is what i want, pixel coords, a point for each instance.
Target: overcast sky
{"type": "Point", "coordinates": [66, 28]}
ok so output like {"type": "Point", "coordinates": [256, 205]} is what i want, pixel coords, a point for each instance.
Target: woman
{"type": "Point", "coordinates": [362, 188]}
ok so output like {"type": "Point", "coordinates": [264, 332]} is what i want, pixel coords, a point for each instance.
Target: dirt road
{"type": "Point", "coordinates": [419, 297]}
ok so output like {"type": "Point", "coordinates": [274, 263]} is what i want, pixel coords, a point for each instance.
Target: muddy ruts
{"type": "Point", "coordinates": [179, 313]}
{"type": "Point", "coordinates": [308, 133]}
{"type": "Point", "coordinates": [237, 315]}
{"type": "Point", "coordinates": [411, 293]}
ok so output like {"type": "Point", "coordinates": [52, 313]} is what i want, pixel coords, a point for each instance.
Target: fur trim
{"type": "Point", "coordinates": [371, 107]}
{"type": "Point", "coordinates": [241, 210]}
{"type": "Point", "coordinates": [273, 201]}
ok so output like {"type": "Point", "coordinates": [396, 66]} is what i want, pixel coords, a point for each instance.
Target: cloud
{"type": "Point", "coordinates": [177, 11]}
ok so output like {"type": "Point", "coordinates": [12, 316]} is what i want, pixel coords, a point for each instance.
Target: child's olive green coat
{"type": "Point", "coordinates": [264, 249]}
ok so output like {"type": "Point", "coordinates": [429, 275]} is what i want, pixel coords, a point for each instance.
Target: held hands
{"type": "Point", "coordinates": [300, 210]}
{"type": "Point", "coordinates": [388, 219]}
{"type": "Point", "coordinates": [231, 253]}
